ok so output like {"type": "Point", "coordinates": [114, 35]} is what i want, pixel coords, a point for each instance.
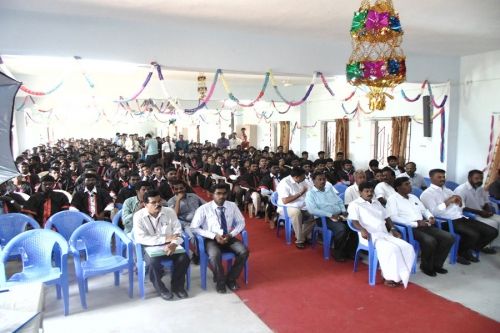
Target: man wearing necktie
{"type": "Point", "coordinates": [219, 222]}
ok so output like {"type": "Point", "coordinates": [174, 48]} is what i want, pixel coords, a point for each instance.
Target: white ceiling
{"type": "Point", "coordinates": [437, 27]}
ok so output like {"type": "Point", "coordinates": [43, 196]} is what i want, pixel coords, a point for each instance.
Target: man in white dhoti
{"type": "Point", "coordinates": [395, 256]}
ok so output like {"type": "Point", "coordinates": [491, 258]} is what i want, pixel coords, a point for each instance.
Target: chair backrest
{"type": "Point", "coordinates": [23, 195]}
{"type": "Point", "coordinates": [274, 198]}
{"type": "Point", "coordinates": [96, 238]}
{"type": "Point", "coordinates": [12, 224]}
{"type": "Point", "coordinates": [451, 185]}
{"type": "Point", "coordinates": [36, 248]}
{"type": "Point", "coordinates": [340, 187]}
{"type": "Point", "coordinates": [416, 191]}
{"type": "Point", "coordinates": [117, 218]}
{"type": "Point", "coordinates": [361, 240]}
{"type": "Point", "coordinates": [67, 194]}
{"type": "Point", "coordinates": [67, 221]}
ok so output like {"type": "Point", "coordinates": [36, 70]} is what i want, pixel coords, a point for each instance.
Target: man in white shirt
{"type": "Point", "coordinates": [155, 225]}
{"type": "Point", "coordinates": [384, 189]}
{"type": "Point", "coordinates": [392, 162]}
{"type": "Point", "coordinates": [476, 201]}
{"type": "Point", "coordinates": [416, 179]}
{"type": "Point", "coordinates": [234, 141]}
{"type": "Point", "coordinates": [435, 244]}
{"type": "Point", "coordinates": [219, 222]}
{"type": "Point", "coordinates": [396, 257]}
{"type": "Point", "coordinates": [443, 203]}
{"type": "Point", "coordinates": [167, 151]}
{"type": "Point", "coordinates": [291, 193]}
{"type": "Point", "coordinates": [352, 192]}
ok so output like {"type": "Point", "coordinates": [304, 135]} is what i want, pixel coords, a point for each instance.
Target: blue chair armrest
{"type": "Point", "coordinates": [440, 221]}
{"type": "Point", "coordinates": [470, 215]}
{"type": "Point", "coordinates": [185, 242]}
{"type": "Point", "coordinates": [408, 231]}
{"type": "Point", "coordinates": [402, 231]}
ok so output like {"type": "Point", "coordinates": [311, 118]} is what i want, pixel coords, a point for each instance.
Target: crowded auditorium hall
{"type": "Point", "coordinates": [249, 167]}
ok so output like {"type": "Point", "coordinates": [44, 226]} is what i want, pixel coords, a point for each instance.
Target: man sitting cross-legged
{"type": "Point", "coordinates": [395, 256]}
{"type": "Point", "coordinates": [219, 222]}
{"type": "Point", "coordinates": [156, 225]}
{"type": "Point", "coordinates": [435, 243]}
{"type": "Point", "coordinates": [321, 200]}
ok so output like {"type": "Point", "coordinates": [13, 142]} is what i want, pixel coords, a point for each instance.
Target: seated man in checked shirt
{"type": "Point", "coordinates": [219, 222]}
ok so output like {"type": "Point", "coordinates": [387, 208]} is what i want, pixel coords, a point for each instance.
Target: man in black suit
{"type": "Point", "coordinates": [92, 200]}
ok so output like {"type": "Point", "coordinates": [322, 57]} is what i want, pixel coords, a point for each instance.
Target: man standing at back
{"type": "Point", "coordinates": [219, 222]}
{"type": "Point", "coordinates": [151, 150]}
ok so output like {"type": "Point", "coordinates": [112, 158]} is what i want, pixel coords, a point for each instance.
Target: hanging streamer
{"type": "Point", "coordinates": [490, 147]}
{"type": "Point", "coordinates": [281, 112]}
{"type": "Point", "coordinates": [292, 103]}
{"type": "Point", "coordinates": [443, 128]}
{"type": "Point", "coordinates": [141, 89]}
{"type": "Point", "coordinates": [252, 103]}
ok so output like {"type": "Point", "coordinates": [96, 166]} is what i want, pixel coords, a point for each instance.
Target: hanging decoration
{"type": "Point", "coordinates": [202, 86]}
{"type": "Point", "coordinates": [377, 59]}
{"type": "Point", "coordinates": [252, 103]}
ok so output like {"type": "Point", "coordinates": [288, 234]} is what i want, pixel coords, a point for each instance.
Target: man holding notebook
{"type": "Point", "coordinates": [159, 231]}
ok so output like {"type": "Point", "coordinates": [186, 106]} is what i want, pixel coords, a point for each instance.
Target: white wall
{"type": "Point", "coordinates": [479, 89]}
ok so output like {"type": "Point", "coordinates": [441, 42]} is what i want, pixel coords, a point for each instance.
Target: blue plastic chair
{"type": "Point", "coordinates": [408, 236]}
{"type": "Point", "coordinates": [119, 205]}
{"type": "Point", "coordinates": [427, 181]}
{"type": "Point", "coordinates": [167, 263]}
{"type": "Point", "coordinates": [282, 217]}
{"type": "Point", "coordinates": [451, 185]}
{"type": "Point", "coordinates": [367, 245]}
{"type": "Point", "coordinates": [416, 191]}
{"type": "Point", "coordinates": [454, 249]}
{"type": "Point", "coordinates": [96, 239]}
{"type": "Point", "coordinates": [66, 222]}
{"type": "Point", "coordinates": [496, 203]}
{"type": "Point", "coordinates": [12, 224]}
{"type": "Point", "coordinates": [37, 250]}
{"type": "Point", "coordinates": [117, 218]}
{"type": "Point", "coordinates": [226, 256]}
{"type": "Point", "coordinates": [327, 237]}
{"type": "Point", "coordinates": [340, 187]}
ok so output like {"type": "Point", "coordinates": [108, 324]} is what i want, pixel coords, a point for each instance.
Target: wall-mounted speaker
{"type": "Point", "coordinates": [428, 111]}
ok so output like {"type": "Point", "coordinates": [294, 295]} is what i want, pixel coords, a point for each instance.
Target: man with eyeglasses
{"type": "Point", "coordinates": [155, 225]}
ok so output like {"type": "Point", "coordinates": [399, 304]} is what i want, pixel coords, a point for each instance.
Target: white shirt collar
{"type": "Point", "coordinates": [94, 190]}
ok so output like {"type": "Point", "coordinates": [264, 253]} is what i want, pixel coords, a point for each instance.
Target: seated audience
{"type": "Point", "coordinates": [435, 243]}
{"type": "Point", "coordinates": [475, 200]}
{"type": "Point", "coordinates": [134, 204]}
{"type": "Point", "coordinates": [395, 256]}
{"type": "Point", "coordinates": [91, 200]}
{"type": "Point", "coordinates": [42, 205]}
{"type": "Point", "coordinates": [443, 203]}
{"type": "Point", "coordinates": [392, 162]}
{"type": "Point", "coordinates": [416, 179]}
{"type": "Point", "coordinates": [372, 168]}
{"type": "Point", "coordinates": [385, 189]}
{"type": "Point", "coordinates": [346, 174]}
{"type": "Point", "coordinates": [155, 225]}
{"type": "Point", "coordinates": [129, 190]}
{"type": "Point", "coordinates": [219, 222]}
{"type": "Point", "coordinates": [352, 192]}
{"type": "Point", "coordinates": [322, 200]}
{"type": "Point", "coordinates": [291, 193]}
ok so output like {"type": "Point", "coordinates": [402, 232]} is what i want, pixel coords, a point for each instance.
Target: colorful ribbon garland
{"type": "Point", "coordinates": [443, 128]}
{"type": "Point", "coordinates": [429, 88]}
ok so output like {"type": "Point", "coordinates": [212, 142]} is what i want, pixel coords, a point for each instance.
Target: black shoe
{"type": "Point", "coordinates": [339, 259]}
{"type": "Point", "coordinates": [166, 295]}
{"type": "Point", "coordinates": [471, 257]}
{"type": "Point", "coordinates": [221, 289]}
{"type": "Point", "coordinates": [428, 272]}
{"type": "Point", "coordinates": [489, 250]}
{"type": "Point", "coordinates": [463, 261]}
{"type": "Point", "coordinates": [232, 285]}
{"type": "Point", "coordinates": [181, 293]}
{"type": "Point", "coordinates": [300, 246]}
{"type": "Point", "coordinates": [195, 259]}
{"type": "Point", "coordinates": [441, 270]}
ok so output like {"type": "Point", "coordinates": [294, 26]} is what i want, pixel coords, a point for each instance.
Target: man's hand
{"type": "Point", "coordinates": [395, 233]}
{"type": "Point", "coordinates": [181, 195]}
{"type": "Point", "coordinates": [364, 234]}
{"type": "Point", "coordinates": [484, 213]}
{"type": "Point", "coordinates": [170, 248]}
{"type": "Point", "coordinates": [335, 218]}
{"type": "Point", "coordinates": [422, 223]}
{"type": "Point", "coordinates": [172, 238]}
{"type": "Point", "coordinates": [220, 239]}
{"type": "Point", "coordinates": [432, 220]}
{"type": "Point", "coordinates": [303, 191]}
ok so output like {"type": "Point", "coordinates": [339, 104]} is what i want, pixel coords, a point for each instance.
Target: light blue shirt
{"type": "Point", "coordinates": [324, 203]}
{"type": "Point", "coordinates": [151, 146]}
